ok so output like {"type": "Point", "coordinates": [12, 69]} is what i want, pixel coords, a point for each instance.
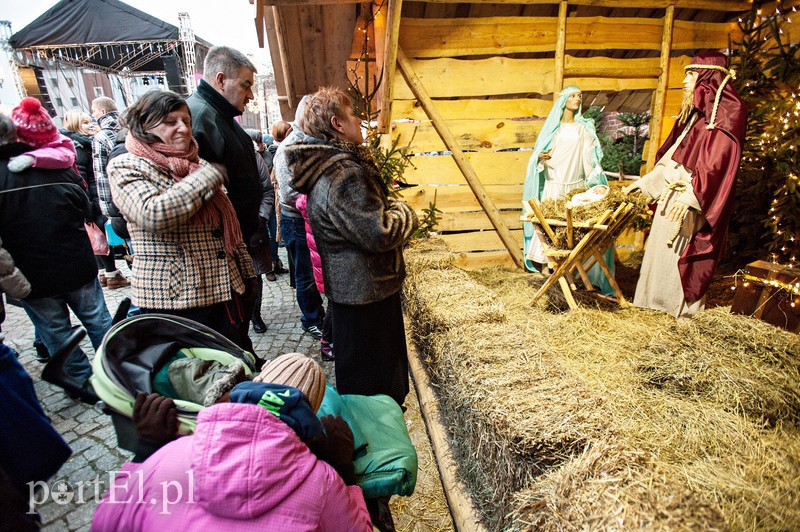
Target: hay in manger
{"type": "Point", "coordinates": [576, 240]}
{"type": "Point", "coordinates": [610, 419]}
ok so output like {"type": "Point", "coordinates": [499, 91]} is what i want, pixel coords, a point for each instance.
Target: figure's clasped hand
{"type": "Point", "coordinates": [545, 155]}
{"type": "Point", "coordinates": [630, 188]}
{"type": "Point", "coordinates": [677, 212]}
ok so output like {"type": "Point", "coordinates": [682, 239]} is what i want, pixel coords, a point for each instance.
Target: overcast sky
{"type": "Point", "coordinates": [228, 22]}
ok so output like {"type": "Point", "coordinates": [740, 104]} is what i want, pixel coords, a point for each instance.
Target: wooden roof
{"type": "Point", "coordinates": [311, 41]}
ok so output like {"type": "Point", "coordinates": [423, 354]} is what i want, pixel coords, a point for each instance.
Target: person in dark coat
{"type": "Point", "coordinates": [359, 234]}
{"type": "Point", "coordinates": [258, 246]}
{"type": "Point", "coordinates": [42, 213]}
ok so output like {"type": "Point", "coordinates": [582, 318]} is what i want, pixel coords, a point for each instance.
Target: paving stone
{"type": "Point", "coordinates": [80, 445]}
{"type": "Point", "coordinates": [67, 424]}
{"type": "Point", "coordinates": [58, 526]}
{"type": "Point", "coordinates": [109, 462]}
{"type": "Point", "coordinates": [83, 428]}
{"type": "Point", "coordinates": [50, 511]}
{"type": "Point", "coordinates": [82, 516]}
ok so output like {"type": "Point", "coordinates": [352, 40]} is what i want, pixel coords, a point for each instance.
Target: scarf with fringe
{"type": "Point", "coordinates": [178, 164]}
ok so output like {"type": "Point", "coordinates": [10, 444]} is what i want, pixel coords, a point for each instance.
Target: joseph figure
{"type": "Point", "coordinates": [693, 187]}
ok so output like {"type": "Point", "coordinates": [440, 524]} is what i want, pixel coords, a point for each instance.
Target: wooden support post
{"type": "Point", "coordinates": [537, 211]}
{"type": "Point", "coordinates": [567, 293]}
{"type": "Point", "coordinates": [260, 23]}
{"type": "Point", "coordinates": [561, 46]}
{"type": "Point", "coordinates": [584, 277]}
{"type": "Point", "coordinates": [389, 64]}
{"type": "Point", "coordinates": [460, 159]}
{"type": "Point", "coordinates": [569, 227]}
{"type": "Point", "coordinates": [283, 50]}
{"type": "Point", "coordinates": [657, 110]}
{"type": "Point", "coordinates": [613, 282]}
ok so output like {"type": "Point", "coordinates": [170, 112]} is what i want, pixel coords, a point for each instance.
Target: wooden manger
{"type": "Point", "coordinates": [589, 250]}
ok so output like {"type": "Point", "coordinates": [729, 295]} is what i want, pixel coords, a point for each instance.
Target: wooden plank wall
{"type": "Point", "coordinates": [463, 61]}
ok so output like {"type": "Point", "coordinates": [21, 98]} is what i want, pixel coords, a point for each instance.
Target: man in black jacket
{"type": "Point", "coordinates": [222, 95]}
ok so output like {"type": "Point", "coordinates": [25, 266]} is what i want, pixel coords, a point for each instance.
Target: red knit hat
{"type": "Point", "coordinates": [34, 125]}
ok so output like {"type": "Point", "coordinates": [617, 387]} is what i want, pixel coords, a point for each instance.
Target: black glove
{"type": "Point", "coordinates": [155, 417]}
{"type": "Point", "coordinates": [336, 447]}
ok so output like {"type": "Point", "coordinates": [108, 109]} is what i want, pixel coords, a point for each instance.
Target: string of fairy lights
{"type": "Point", "coordinates": [780, 126]}
{"type": "Point", "coordinates": [778, 288]}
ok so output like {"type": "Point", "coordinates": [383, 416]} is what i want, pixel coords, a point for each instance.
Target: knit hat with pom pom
{"type": "Point", "coordinates": [34, 125]}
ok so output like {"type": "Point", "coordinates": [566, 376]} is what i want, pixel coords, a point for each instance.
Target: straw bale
{"type": "Point", "coordinates": [740, 363]}
{"type": "Point", "coordinates": [426, 253]}
{"type": "Point", "coordinates": [757, 489]}
{"type": "Point", "coordinates": [609, 487]}
{"type": "Point", "coordinates": [546, 411]}
{"type": "Point", "coordinates": [444, 298]}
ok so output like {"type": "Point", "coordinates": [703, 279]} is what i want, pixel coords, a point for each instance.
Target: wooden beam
{"type": "Point", "coordinates": [260, 23]}
{"type": "Point", "coordinates": [281, 3]}
{"type": "Point", "coordinates": [657, 111]}
{"type": "Point", "coordinates": [389, 63]}
{"type": "Point", "coordinates": [378, 39]}
{"type": "Point", "coordinates": [561, 44]}
{"type": "Point", "coordinates": [283, 51]}
{"type": "Point", "coordinates": [461, 509]}
{"type": "Point", "coordinates": [466, 168]}
{"type": "Point", "coordinates": [457, 37]}
{"type": "Point", "coordinates": [710, 5]}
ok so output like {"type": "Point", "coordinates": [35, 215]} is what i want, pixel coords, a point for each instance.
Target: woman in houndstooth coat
{"type": "Point", "coordinates": [190, 257]}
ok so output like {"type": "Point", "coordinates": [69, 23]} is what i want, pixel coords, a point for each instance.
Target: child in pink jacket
{"type": "Point", "coordinates": [243, 469]}
{"type": "Point", "coordinates": [326, 342]}
{"type": "Point", "coordinates": [35, 128]}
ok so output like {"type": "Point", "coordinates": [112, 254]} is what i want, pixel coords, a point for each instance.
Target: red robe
{"type": "Point", "coordinates": [713, 158]}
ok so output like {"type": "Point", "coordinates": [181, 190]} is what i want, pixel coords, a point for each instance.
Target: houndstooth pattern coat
{"type": "Point", "coordinates": [178, 265]}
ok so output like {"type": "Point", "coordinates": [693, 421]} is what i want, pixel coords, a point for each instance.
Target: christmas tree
{"type": "Point", "coordinates": [768, 195]}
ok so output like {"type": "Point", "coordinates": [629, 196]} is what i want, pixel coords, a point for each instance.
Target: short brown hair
{"type": "Point", "coordinates": [280, 130]}
{"type": "Point", "coordinates": [104, 103]}
{"type": "Point", "coordinates": [320, 108]}
{"type": "Point", "coordinates": [149, 111]}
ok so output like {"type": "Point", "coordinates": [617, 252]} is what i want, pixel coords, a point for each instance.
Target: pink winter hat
{"type": "Point", "coordinates": [34, 125]}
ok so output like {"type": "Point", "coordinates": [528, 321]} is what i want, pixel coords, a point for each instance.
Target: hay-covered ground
{"type": "Point", "coordinates": [605, 418]}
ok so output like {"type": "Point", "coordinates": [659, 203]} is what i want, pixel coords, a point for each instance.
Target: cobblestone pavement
{"type": "Point", "coordinates": [91, 435]}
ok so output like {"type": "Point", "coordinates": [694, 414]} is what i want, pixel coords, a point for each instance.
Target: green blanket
{"type": "Point", "coordinates": [385, 458]}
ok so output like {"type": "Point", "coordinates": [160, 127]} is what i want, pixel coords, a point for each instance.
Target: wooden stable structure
{"type": "Point", "coordinates": [469, 84]}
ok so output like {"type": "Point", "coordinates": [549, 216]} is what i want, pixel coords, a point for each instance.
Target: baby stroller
{"type": "Point", "coordinates": [135, 349]}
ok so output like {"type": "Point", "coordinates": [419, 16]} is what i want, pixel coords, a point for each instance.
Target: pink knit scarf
{"type": "Point", "coordinates": [179, 164]}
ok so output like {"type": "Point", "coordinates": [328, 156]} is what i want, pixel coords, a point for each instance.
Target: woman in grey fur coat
{"type": "Point", "coordinates": [360, 234]}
